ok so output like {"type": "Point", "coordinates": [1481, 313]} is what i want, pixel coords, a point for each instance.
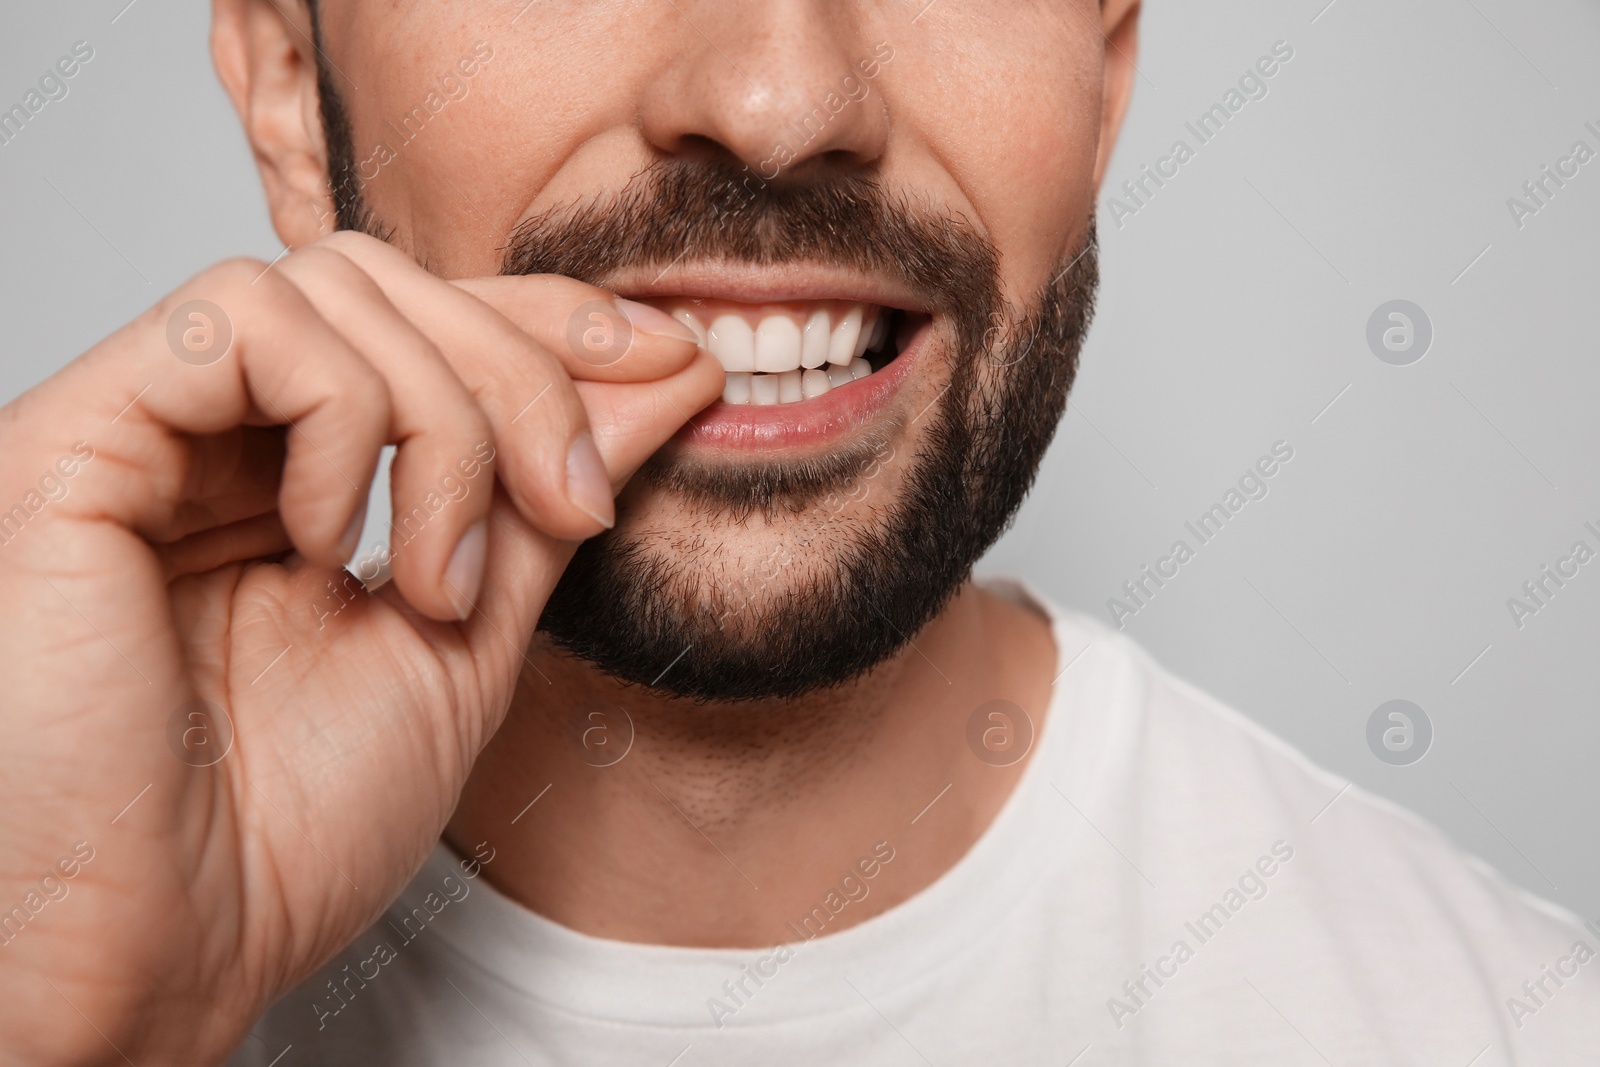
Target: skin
{"type": "Point", "coordinates": [161, 576]}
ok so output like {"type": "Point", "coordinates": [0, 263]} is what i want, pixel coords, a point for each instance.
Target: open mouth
{"type": "Point", "coordinates": [786, 353]}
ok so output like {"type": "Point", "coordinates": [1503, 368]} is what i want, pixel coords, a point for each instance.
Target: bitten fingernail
{"type": "Point", "coordinates": [350, 540]}
{"type": "Point", "coordinates": [652, 320]}
{"type": "Point", "coordinates": [463, 575]}
{"type": "Point", "coordinates": [588, 484]}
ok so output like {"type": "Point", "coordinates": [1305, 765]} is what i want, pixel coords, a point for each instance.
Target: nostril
{"type": "Point", "coordinates": [703, 149]}
{"type": "Point", "coordinates": [784, 166]}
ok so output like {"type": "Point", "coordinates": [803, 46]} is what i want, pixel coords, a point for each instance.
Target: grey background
{"type": "Point", "coordinates": [1233, 315]}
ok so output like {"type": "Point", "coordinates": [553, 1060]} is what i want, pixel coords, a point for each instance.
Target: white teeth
{"type": "Point", "coordinates": [691, 320]}
{"type": "Point", "coordinates": [777, 344]}
{"type": "Point", "coordinates": [732, 341]}
{"type": "Point", "coordinates": [784, 360]}
{"type": "Point", "coordinates": [737, 389]}
{"type": "Point", "coordinates": [880, 331]}
{"type": "Point", "coordinates": [764, 389]}
{"type": "Point", "coordinates": [868, 328]}
{"type": "Point", "coordinates": [842, 343]}
{"type": "Point", "coordinates": [791, 386]}
{"type": "Point", "coordinates": [814, 346]}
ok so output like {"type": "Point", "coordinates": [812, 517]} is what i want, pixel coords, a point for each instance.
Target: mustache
{"type": "Point", "coordinates": [700, 210]}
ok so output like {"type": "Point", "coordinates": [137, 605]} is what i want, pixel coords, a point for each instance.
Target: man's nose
{"type": "Point", "coordinates": [786, 87]}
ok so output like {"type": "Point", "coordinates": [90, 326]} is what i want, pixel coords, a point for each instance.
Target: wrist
{"type": "Point", "coordinates": [49, 1021]}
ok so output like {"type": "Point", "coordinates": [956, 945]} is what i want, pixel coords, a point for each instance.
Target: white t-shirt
{"type": "Point", "coordinates": [1167, 884]}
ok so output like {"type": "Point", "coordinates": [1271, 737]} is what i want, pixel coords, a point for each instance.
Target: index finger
{"type": "Point", "coordinates": [598, 336]}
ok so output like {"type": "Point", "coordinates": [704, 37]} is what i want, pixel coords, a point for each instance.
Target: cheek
{"type": "Point", "coordinates": [1012, 141]}
{"type": "Point", "coordinates": [430, 126]}
{"type": "Point", "coordinates": [547, 117]}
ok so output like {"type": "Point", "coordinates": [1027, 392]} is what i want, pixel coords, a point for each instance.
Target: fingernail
{"type": "Point", "coordinates": [588, 484]}
{"type": "Point", "coordinates": [463, 575]}
{"type": "Point", "coordinates": [350, 540]}
{"type": "Point", "coordinates": [653, 320]}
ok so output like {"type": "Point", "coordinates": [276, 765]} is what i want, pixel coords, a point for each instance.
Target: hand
{"type": "Point", "coordinates": [173, 568]}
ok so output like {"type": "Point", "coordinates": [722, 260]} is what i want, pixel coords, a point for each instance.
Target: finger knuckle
{"type": "Point", "coordinates": [476, 426]}
{"type": "Point", "coordinates": [238, 286]}
{"type": "Point", "coordinates": [359, 246]}
{"type": "Point", "coordinates": [373, 391]}
{"type": "Point", "coordinates": [340, 240]}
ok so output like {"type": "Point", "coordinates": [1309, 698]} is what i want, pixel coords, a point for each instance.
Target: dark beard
{"type": "Point", "coordinates": [637, 617]}
{"type": "Point", "coordinates": [846, 601]}
{"type": "Point", "coordinates": [843, 600]}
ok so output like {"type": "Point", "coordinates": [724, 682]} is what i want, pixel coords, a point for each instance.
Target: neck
{"type": "Point", "coordinates": [662, 821]}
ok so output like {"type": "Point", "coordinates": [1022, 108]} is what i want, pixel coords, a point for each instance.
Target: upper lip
{"type": "Point", "coordinates": [747, 283]}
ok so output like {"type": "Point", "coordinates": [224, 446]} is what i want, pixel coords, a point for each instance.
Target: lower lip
{"type": "Point", "coordinates": [833, 414]}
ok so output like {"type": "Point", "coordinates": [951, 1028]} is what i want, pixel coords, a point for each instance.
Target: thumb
{"type": "Point", "coordinates": [630, 421]}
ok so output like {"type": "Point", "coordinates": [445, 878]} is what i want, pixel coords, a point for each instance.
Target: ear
{"type": "Point", "coordinates": [264, 56]}
{"type": "Point", "coordinates": [1119, 22]}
